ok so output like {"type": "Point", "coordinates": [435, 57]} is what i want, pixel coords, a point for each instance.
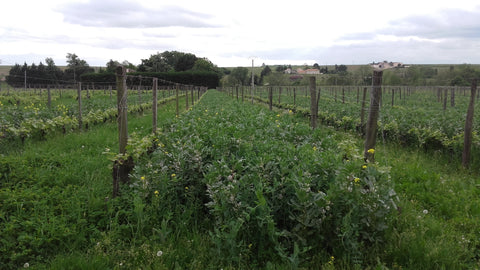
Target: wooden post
{"type": "Point", "coordinates": [49, 97]}
{"type": "Point", "coordinates": [313, 103]}
{"type": "Point", "coordinates": [79, 91]}
{"type": "Point", "coordinates": [452, 98]}
{"type": "Point", "coordinates": [362, 112]}
{"type": "Point", "coordinates": [279, 94]}
{"type": "Point", "coordinates": [110, 90]}
{"type": "Point", "coordinates": [122, 109]}
{"type": "Point", "coordinates": [467, 143]}
{"type": "Point", "coordinates": [445, 99]}
{"type": "Point", "coordinates": [186, 97]}
{"type": "Point", "coordinates": [393, 96]}
{"type": "Point", "coordinates": [177, 110]}
{"type": "Point", "coordinates": [154, 105]}
{"type": "Point", "coordinates": [371, 128]}
{"type": "Point", "coordinates": [243, 95]}
{"type": "Point", "coordinates": [294, 97]}
{"type": "Point", "coordinates": [343, 95]}
{"type": "Point", "coordinates": [139, 90]}
{"type": "Point", "coordinates": [270, 97]}
{"type": "Point", "coordinates": [191, 90]}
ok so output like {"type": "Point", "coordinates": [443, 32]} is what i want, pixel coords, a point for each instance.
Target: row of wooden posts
{"type": "Point", "coordinates": [339, 93]}
{"type": "Point", "coordinates": [123, 167]}
{"type": "Point", "coordinates": [375, 98]}
{"type": "Point", "coordinates": [374, 107]}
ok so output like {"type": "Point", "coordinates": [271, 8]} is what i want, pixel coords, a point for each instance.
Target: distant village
{"type": "Point", "coordinates": [387, 65]}
{"type": "Point", "coordinates": [380, 65]}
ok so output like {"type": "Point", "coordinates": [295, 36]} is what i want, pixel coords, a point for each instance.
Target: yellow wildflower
{"type": "Point", "coordinates": [156, 192]}
{"type": "Point", "coordinates": [356, 180]}
{"type": "Point", "coordinates": [186, 188]}
{"type": "Point", "coordinates": [142, 178]}
{"type": "Point", "coordinates": [314, 148]}
{"type": "Point", "coordinates": [173, 175]}
{"type": "Point", "coordinates": [364, 166]}
{"type": "Point", "coordinates": [371, 151]}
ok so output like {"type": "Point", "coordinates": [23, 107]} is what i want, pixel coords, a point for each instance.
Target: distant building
{"type": "Point", "coordinates": [387, 65]}
{"type": "Point", "coordinates": [308, 71]}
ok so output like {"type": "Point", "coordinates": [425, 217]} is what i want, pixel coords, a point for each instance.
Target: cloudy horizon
{"type": "Point", "coordinates": [231, 33]}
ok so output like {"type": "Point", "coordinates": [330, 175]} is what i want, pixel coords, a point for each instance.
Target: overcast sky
{"type": "Point", "coordinates": [230, 33]}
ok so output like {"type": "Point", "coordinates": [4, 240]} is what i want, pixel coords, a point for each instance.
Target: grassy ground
{"type": "Point", "coordinates": [55, 210]}
{"type": "Point", "coordinates": [51, 190]}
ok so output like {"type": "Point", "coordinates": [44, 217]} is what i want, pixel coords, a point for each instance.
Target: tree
{"type": "Point", "coordinates": [341, 68]}
{"type": "Point", "coordinates": [111, 66]}
{"type": "Point", "coordinates": [76, 67]}
{"type": "Point", "coordinates": [185, 62]}
{"type": "Point", "coordinates": [53, 73]}
{"type": "Point", "coordinates": [168, 61]}
{"type": "Point", "coordinates": [156, 63]}
{"type": "Point", "coordinates": [203, 64]}
{"type": "Point", "coordinates": [239, 75]}
{"type": "Point", "coordinates": [275, 79]}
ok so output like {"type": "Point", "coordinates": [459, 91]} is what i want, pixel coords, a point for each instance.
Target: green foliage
{"type": "Point", "coordinates": [259, 200]}
{"type": "Point", "coordinates": [239, 76]}
{"type": "Point", "coordinates": [199, 78]}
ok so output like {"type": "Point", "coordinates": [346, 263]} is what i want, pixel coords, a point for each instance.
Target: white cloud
{"type": "Point", "coordinates": [230, 32]}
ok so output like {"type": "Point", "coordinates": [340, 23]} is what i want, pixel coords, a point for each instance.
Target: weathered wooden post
{"type": "Point", "coordinates": [79, 91]}
{"type": "Point", "coordinates": [49, 97]}
{"type": "Point", "coordinates": [154, 105]}
{"type": "Point", "coordinates": [122, 109]}
{"type": "Point", "coordinates": [467, 142]}
{"type": "Point", "coordinates": [177, 110]}
{"type": "Point", "coordinates": [393, 97]}
{"type": "Point", "coordinates": [371, 128]}
{"type": "Point", "coordinates": [362, 112]}
{"type": "Point", "coordinates": [445, 99]}
{"type": "Point", "coordinates": [186, 97]}
{"type": "Point", "coordinates": [191, 90]}
{"type": "Point", "coordinates": [121, 167]}
{"type": "Point", "coordinates": [452, 97]}
{"type": "Point", "coordinates": [270, 97]}
{"type": "Point", "coordinates": [139, 90]}
{"type": "Point", "coordinates": [313, 103]}
{"type": "Point", "coordinates": [279, 95]}
{"type": "Point", "coordinates": [294, 97]}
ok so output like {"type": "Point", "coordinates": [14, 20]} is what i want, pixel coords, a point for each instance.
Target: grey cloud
{"type": "Point", "coordinates": [447, 24]}
{"type": "Point", "coordinates": [128, 14]}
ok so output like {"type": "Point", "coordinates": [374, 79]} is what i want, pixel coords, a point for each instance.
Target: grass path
{"type": "Point", "coordinates": [45, 186]}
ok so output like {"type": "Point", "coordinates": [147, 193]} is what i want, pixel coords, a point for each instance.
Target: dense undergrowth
{"type": "Point", "coordinates": [235, 186]}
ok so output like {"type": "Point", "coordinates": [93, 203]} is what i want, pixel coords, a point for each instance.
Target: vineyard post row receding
{"type": "Point", "coordinates": [123, 166]}
{"type": "Point", "coordinates": [417, 116]}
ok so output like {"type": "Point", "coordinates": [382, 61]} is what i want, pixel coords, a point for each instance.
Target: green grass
{"type": "Point", "coordinates": [55, 213]}
{"type": "Point", "coordinates": [54, 193]}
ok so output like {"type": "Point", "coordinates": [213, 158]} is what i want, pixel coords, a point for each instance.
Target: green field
{"type": "Point", "coordinates": [231, 185]}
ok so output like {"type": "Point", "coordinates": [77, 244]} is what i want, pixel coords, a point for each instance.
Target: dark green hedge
{"type": "Point", "coordinates": [197, 78]}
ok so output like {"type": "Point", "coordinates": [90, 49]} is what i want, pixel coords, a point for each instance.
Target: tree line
{"type": "Point", "coordinates": [79, 70]}
{"type": "Point", "coordinates": [413, 75]}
